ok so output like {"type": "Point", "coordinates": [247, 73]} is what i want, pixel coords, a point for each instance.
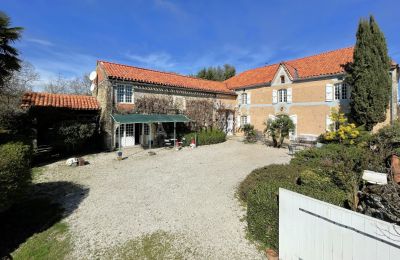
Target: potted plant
{"type": "Point", "coordinates": [395, 165]}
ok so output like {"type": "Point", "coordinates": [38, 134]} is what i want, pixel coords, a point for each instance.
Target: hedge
{"type": "Point", "coordinates": [15, 173]}
{"type": "Point", "coordinates": [205, 137]}
{"type": "Point", "coordinates": [260, 191]}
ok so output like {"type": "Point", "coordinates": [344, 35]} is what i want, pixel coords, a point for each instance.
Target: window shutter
{"type": "Point", "coordinates": [274, 96]}
{"type": "Point", "coordinates": [239, 99]}
{"type": "Point", "coordinates": [329, 92]}
{"type": "Point", "coordinates": [328, 123]}
{"type": "Point", "coordinates": [248, 120]}
{"type": "Point", "coordinates": [292, 134]}
{"type": "Point", "coordinates": [248, 98]}
{"type": "Point", "coordinates": [289, 95]}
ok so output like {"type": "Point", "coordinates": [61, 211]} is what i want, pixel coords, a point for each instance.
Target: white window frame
{"type": "Point", "coordinates": [341, 91]}
{"type": "Point", "coordinates": [244, 99]}
{"type": "Point", "coordinates": [243, 120]}
{"type": "Point", "coordinates": [282, 95]}
{"type": "Point", "coordinates": [122, 91]}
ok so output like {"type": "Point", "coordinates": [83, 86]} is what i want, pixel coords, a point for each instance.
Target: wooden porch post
{"type": "Point", "coordinates": [150, 136]}
{"type": "Point", "coordinates": [174, 134]}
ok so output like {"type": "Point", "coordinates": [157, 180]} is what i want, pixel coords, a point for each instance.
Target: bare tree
{"type": "Point", "coordinates": [18, 83]}
{"type": "Point", "coordinates": [77, 85]}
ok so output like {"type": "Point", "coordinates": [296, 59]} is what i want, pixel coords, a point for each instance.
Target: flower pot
{"type": "Point", "coordinates": [271, 254]}
{"type": "Point", "coordinates": [396, 168]}
{"type": "Point", "coordinates": [119, 155]}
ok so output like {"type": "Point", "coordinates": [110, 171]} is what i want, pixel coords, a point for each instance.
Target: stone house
{"type": "Point", "coordinates": [306, 89]}
{"type": "Point", "coordinates": [118, 88]}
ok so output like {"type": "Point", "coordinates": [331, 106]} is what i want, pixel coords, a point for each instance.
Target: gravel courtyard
{"type": "Point", "coordinates": [189, 193]}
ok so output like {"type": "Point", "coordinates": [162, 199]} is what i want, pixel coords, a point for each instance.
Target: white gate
{"type": "Point", "coordinates": [311, 229]}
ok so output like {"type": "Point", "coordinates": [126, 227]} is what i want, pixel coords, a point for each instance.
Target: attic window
{"type": "Point", "coordinates": [282, 79]}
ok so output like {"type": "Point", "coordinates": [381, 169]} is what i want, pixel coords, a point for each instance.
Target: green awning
{"type": "Point", "coordinates": [152, 118]}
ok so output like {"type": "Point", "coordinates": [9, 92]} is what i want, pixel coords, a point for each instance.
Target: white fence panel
{"type": "Point", "coordinates": [311, 229]}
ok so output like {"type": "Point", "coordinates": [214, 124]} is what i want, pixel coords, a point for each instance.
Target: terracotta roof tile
{"type": "Point", "coordinates": [327, 63]}
{"type": "Point", "coordinates": [131, 73]}
{"type": "Point", "coordinates": [76, 102]}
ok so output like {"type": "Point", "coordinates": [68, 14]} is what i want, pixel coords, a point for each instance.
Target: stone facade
{"type": "Point", "coordinates": [308, 104]}
{"type": "Point", "coordinates": [106, 92]}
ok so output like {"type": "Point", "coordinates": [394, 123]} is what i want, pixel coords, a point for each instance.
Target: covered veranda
{"type": "Point", "coordinates": [145, 129]}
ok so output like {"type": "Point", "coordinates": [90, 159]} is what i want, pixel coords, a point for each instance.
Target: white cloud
{"type": "Point", "coordinates": [169, 6]}
{"type": "Point", "coordinates": [153, 60]}
{"type": "Point", "coordinates": [39, 41]}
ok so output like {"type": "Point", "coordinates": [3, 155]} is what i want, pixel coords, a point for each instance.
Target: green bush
{"type": "Point", "coordinates": [274, 172]}
{"type": "Point", "coordinates": [74, 134]}
{"type": "Point", "coordinates": [386, 140]}
{"type": "Point", "coordinates": [249, 133]}
{"type": "Point", "coordinates": [261, 193]}
{"type": "Point", "coordinates": [205, 137]}
{"type": "Point", "coordinates": [15, 173]}
{"type": "Point", "coordinates": [279, 128]}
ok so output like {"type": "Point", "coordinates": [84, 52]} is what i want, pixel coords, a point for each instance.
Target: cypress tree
{"type": "Point", "coordinates": [369, 75]}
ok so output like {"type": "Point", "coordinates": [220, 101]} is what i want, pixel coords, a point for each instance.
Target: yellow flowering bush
{"type": "Point", "coordinates": [344, 132]}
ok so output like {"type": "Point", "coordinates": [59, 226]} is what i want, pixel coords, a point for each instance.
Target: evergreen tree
{"type": "Point", "coordinates": [369, 75]}
{"type": "Point", "coordinates": [9, 61]}
{"type": "Point", "coordinates": [217, 73]}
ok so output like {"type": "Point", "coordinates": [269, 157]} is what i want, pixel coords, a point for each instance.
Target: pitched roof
{"type": "Point", "coordinates": [131, 73]}
{"type": "Point", "coordinates": [323, 64]}
{"type": "Point", "coordinates": [75, 102]}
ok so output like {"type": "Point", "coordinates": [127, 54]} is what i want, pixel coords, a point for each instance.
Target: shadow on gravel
{"type": "Point", "coordinates": [44, 206]}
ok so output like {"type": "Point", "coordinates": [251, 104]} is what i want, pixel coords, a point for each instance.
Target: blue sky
{"type": "Point", "coordinates": [67, 37]}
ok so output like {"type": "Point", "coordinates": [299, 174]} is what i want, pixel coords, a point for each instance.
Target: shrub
{"type": "Point", "coordinates": [386, 140]}
{"type": "Point", "coordinates": [345, 133]}
{"type": "Point", "coordinates": [274, 172]}
{"type": "Point", "coordinates": [279, 128]}
{"type": "Point", "coordinates": [249, 133]}
{"type": "Point", "coordinates": [205, 137]}
{"type": "Point", "coordinates": [15, 174]}
{"type": "Point", "coordinates": [261, 192]}
{"type": "Point", "coordinates": [342, 164]}
{"type": "Point", "coordinates": [74, 134]}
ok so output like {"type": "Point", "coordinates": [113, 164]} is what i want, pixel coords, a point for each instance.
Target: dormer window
{"type": "Point", "coordinates": [282, 79]}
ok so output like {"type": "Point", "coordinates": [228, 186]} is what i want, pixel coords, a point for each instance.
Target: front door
{"type": "Point", "coordinates": [125, 135]}
{"type": "Point", "coordinates": [129, 135]}
{"type": "Point", "coordinates": [229, 124]}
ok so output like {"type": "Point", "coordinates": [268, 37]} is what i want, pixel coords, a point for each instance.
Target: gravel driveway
{"type": "Point", "coordinates": [189, 193]}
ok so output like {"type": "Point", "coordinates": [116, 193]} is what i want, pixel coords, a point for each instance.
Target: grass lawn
{"type": "Point", "coordinates": [54, 243]}
{"type": "Point", "coordinates": [157, 245]}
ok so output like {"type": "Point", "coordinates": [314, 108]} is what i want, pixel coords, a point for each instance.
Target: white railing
{"type": "Point", "coordinates": [311, 229]}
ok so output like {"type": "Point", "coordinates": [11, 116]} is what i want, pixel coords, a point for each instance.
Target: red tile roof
{"type": "Point", "coordinates": [75, 102]}
{"type": "Point", "coordinates": [323, 64]}
{"type": "Point", "coordinates": [131, 73]}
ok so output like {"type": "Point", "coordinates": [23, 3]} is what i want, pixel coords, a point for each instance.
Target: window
{"type": "Point", "coordinates": [243, 120]}
{"type": "Point", "coordinates": [124, 94]}
{"type": "Point", "coordinates": [120, 93]}
{"type": "Point", "coordinates": [146, 129]}
{"type": "Point", "coordinates": [341, 91]}
{"type": "Point", "coordinates": [282, 95]}
{"type": "Point", "coordinates": [129, 130]}
{"type": "Point", "coordinates": [244, 98]}
{"type": "Point", "coordinates": [282, 79]}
